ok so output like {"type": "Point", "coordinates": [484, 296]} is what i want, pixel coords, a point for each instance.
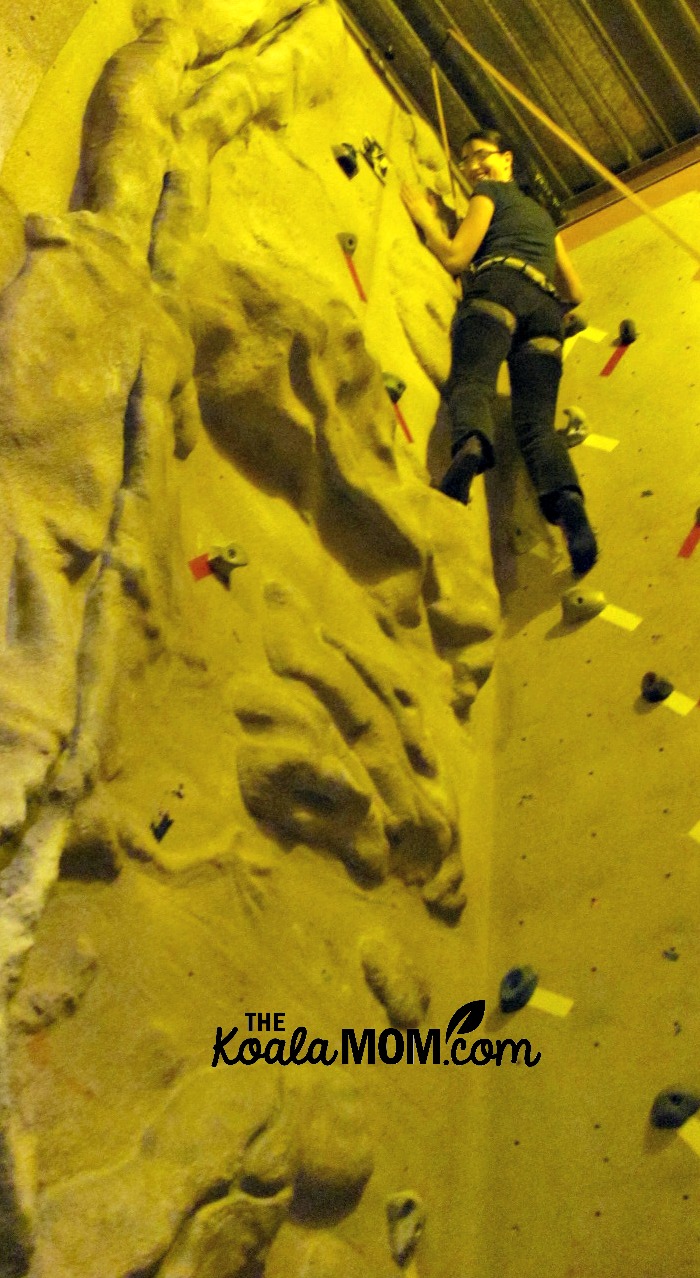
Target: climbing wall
{"type": "Point", "coordinates": [596, 874]}
{"type": "Point", "coordinates": [249, 766]}
{"type": "Point", "coordinates": [242, 638]}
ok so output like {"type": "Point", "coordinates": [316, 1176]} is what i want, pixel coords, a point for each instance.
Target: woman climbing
{"type": "Point", "coordinates": [518, 282]}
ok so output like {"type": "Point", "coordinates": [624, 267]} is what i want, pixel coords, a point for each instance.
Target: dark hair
{"type": "Point", "coordinates": [528, 177]}
{"type": "Point", "coordinates": [487, 135]}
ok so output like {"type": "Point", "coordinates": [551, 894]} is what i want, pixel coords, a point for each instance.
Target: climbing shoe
{"type": "Point", "coordinates": [457, 480]}
{"type": "Point", "coordinates": [578, 534]}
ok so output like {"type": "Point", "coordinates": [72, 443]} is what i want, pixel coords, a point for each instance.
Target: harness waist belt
{"type": "Point", "coordinates": [531, 272]}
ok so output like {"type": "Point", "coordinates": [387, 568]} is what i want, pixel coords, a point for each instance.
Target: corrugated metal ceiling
{"type": "Point", "coordinates": [620, 76]}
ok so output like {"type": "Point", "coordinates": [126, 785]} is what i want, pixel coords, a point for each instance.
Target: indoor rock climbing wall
{"type": "Point", "coordinates": [241, 640]}
{"type": "Point", "coordinates": [245, 769]}
{"type": "Point", "coordinates": [596, 871]}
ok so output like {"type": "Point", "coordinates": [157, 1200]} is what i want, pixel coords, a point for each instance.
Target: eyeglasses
{"type": "Point", "coordinates": [467, 161]}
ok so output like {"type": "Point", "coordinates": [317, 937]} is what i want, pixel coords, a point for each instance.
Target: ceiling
{"type": "Point", "coordinates": [620, 76]}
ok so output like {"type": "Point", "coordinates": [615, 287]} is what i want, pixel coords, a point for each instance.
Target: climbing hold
{"type": "Point", "coordinates": [348, 242]}
{"type": "Point", "coordinates": [628, 332]}
{"type": "Point", "coordinates": [405, 1215]}
{"type": "Point", "coordinates": [375, 157]}
{"type": "Point", "coordinates": [517, 987]}
{"type": "Point", "coordinates": [223, 560]}
{"type": "Point", "coordinates": [655, 688]}
{"type": "Point", "coordinates": [580, 605]}
{"type": "Point", "coordinates": [673, 1108]}
{"type": "Point", "coordinates": [395, 387]}
{"type": "Point", "coordinates": [576, 427]}
{"type": "Point", "coordinates": [160, 828]}
{"type": "Point", "coordinates": [576, 417]}
{"type": "Point", "coordinates": [346, 156]}
{"type": "Point", "coordinates": [697, 517]}
{"type": "Point", "coordinates": [200, 567]}
{"type": "Point", "coordinates": [574, 324]}
{"type": "Point", "coordinates": [231, 554]}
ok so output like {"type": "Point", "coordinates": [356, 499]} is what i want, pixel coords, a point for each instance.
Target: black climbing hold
{"type": "Point", "coordinates": [673, 1108]}
{"type": "Point", "coordinates": [160, 828]}
{"type": "Point", "coordinates": [223, 559]}
{"type": "Point", "coordinates": [395, 387]}
{"type": "Point", "coordinates": [574, 324]}
{"type": "Point", "coordinates": [697, 516]}
{"type": "Point", "coordinates": [348, 242]}
{"type": "Point", "coordinates": [346, 155]}
{"type": "Point", "coordinates": [655, 688]}
{"type": "Point", "coordinates": [517, 987]}
{"type": "Point", "coordinates": [375, 157]}
{"type": "Point", "coordinates": [628, 332]}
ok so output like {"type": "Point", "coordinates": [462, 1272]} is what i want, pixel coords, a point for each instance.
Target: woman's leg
{"type": "Point", "coordinates": [535, 373]}
{"type": "Point", "coordinates": [480, 342]}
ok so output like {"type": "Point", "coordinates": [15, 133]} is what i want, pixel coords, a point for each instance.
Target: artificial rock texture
{"type": "Point", "coordinates": [245, 788]}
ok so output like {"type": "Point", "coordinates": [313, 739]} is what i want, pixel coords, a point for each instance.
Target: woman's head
{"type": "Point", "coordinates": [486, 154]}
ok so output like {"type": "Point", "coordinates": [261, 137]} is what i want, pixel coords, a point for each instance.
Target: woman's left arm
{"type": "Point", "coordinates": [566, 276]}
{"type": "Point", "coordinates": [454, 254]}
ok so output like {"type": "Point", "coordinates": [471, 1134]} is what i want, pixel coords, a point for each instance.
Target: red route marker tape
{"type": "Point", "coordinates": [402, 424]}
{"type": "Point", "coordinates": [615, 359]}
{"type": "Point", "coordinates": [200, 567]}
{"type": "Point", "coordinates": [355, 276]}
{"type": "Point", "coordinates": [690, 542]}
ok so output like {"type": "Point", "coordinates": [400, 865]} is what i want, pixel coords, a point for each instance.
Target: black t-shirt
{"type": "Point", "coordinates": [519, 227]}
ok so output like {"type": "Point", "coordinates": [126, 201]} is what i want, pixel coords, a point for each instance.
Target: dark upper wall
{"type": "Point", "coordinates": [621, 79]}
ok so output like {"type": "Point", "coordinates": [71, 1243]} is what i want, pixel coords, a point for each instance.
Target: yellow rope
{"type": "Point", "coordinates": [443, 129]}
{"type": "Point", "coordinates": [579, 150]}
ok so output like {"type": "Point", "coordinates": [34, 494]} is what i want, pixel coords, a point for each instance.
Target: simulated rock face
{"type": "Point", "coordinates": [214, 786]}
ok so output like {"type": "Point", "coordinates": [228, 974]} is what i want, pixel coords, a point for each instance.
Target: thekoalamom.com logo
{"type": "Point", "coordinates": [390, 1046]}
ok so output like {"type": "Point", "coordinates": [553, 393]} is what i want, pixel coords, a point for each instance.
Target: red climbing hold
{"type": "Point", "coordinates": [358, 283]}
{"type": "Point", "coordinates": [200, 567]}
{"type": "Point", "coordinates": [614, 360]}
{"type": "Point", "coordinates": [690, 543]}
{"type": "Point", "coordinates": [402, 423]}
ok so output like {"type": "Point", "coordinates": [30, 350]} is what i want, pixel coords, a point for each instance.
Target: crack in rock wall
{"type": "Point", "coordinates": [240, 640]}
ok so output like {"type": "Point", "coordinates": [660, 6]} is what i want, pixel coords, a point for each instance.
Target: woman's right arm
{"type": "Point", "coordinates": [566, 276]}
{"type": "Point", "coordinates": [454, 254]}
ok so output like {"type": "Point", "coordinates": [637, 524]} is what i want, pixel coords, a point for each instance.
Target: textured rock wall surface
{"type": "Point", "coordinates": [241, 637]}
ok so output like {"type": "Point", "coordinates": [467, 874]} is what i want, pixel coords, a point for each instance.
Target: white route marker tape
{"type": "Point", "coordinates": [555, 1004]}
{"type": "Point", "coordinates": [618, 617]}
{"type": "Point", "coordinates": [569, 343]}
{"type": "Point", "coordinates": [590, 334]}
{"type": "Point", "coordinates": [695, 832]}
{"type": "Point", "coordinates": [679, 703]}
{"type": "Point", "coordinates": [690, 1133]}
{"type": "Point", "coordinates": [605, 443]}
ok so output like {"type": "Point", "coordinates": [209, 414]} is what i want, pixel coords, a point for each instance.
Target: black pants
{"type": "Point", "coordinates": [504, 315]}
